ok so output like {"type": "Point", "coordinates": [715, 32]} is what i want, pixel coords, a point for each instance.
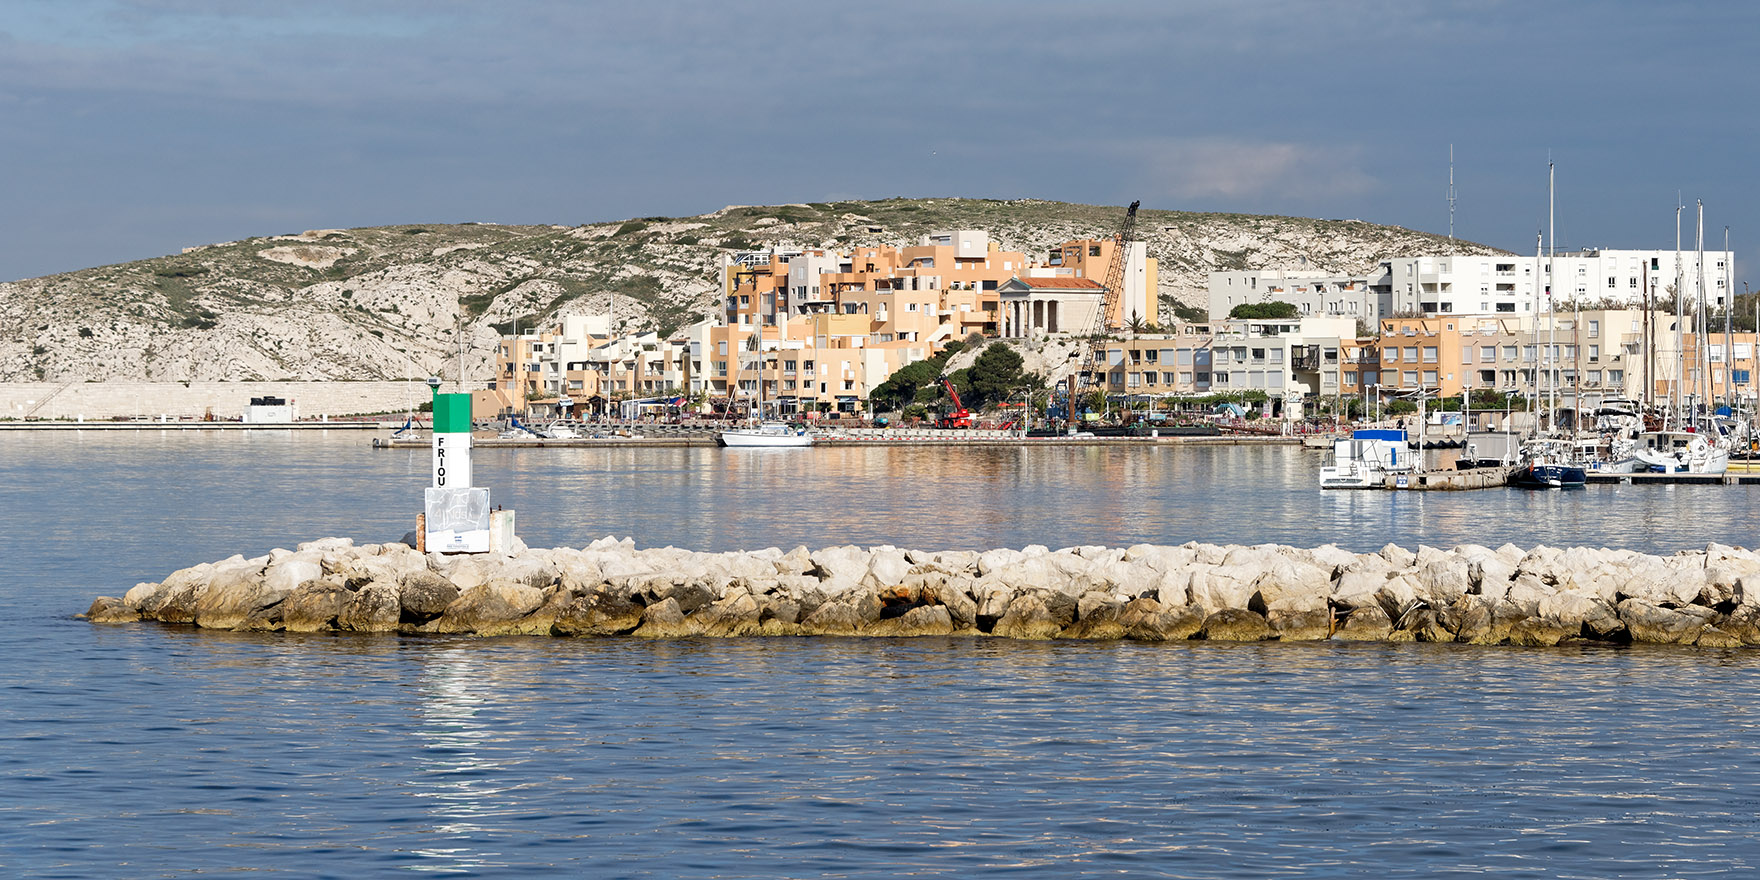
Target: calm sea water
{"type": "Point", "coordinates": [146, 751]}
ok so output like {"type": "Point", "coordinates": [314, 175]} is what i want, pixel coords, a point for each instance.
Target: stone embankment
{"type": "Point", "coordinates": [1470, 594]}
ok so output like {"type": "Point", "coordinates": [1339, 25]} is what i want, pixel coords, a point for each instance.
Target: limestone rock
{"type": "Point", "coordinates": [1429, 625]}
{"type": "Point", "coordinates": [1442, 582]}
{"type": "Point", "coordinates": [1301, 626]}
{"type": "Point", "coordinates": [374, 608]}
{"type": "Point", "coordinates": [1036, 615]}
{"type": "Point", "coordinates": [291, 571]}
{"type": "Point", "coordinates": [424, 595]}
{"type": "Point", "coordinates": [1716, 637]}
{"type": "Point", "coordinates": [174, 601]}
{"type": "Point", "coordinates": [111, 609]}
{"type": "Point", "coordinates": [234, 592]}
{"type": "Point", "coordinates": [1653, 624]}
{"type": "Point", "coordinates": [1287, 586]}
{"type": "Point", "coordinates": [665, 620]}
{"type": "Point", "coordinates": [314, 606]}
{"type": "Point", "coordinates": [1236, 625]}
{"type": "Point", "coordinates": [1368, 623]}
{"type": "Point", "coordinates": [492, 608]}
{"type": "Point", "coordinates": [1537, 632]}
{"type": "Point", "coordinates": [836, 618]}
{"type": "Point", "coordinates": [1147, 620]}
{"type": "Point", "coordinates": [597, 612]}
{"type": "Point", "coordinates": [923, 620]}
{"type": "Point", "coordinates": [736, 615]}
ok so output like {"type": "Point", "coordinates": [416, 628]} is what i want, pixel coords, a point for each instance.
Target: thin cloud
{"type": "Point", "coordinates": [1228, 169]}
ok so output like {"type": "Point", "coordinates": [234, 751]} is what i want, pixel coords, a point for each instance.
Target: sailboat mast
{"type": "Point", "coordinates": [1680, 317]}
{"type": "Point", "coordinates": [1534, 334]}
{"type": "Point", "coordinates": [1729, 351]}
{"type": "Point", "coordinates": [1699, 344]}
{"type": "Point", "coordinates": [1551, 358]}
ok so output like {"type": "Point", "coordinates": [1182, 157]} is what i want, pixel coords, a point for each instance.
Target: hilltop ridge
{"type": "Point", "coordinates": [385, 302]}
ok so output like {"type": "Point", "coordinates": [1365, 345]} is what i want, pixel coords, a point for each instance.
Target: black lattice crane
{"type": "Point", "coordinates": [1121, 246]}
{"type": "Point", "coordinates": [1084, 378]}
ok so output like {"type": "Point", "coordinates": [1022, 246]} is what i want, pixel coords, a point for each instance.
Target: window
{"type": "Point", "coordinates": [1429, 377]}
{"type": "Point", "coordinates": [1466, 354]}
{"type": "Point", "coordinates": [1506, 307]}
{"type": "Point", "coordinates": [1509, 352]}
{"type": "Point", "coordinates": [1594, 328]}
{"type": "Point", "coordinates": [1488, 353]}
{"type": "Point", "coordinates": [1150, 377]}
{"type": "Point", "coordinates": [1429, 354]}
{"type": "Point", "coordinates": [1410, 379]}
{"type": "Point", "coordinates": [1411, 354]}
{"type": "Point", "coordinates": [1594, 353]}
{"type": "Point", "coordinates": [1612, 282]}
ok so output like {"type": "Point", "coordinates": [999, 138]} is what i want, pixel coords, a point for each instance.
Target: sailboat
{"type": "Point", "coordinates": [776, 435]}
{"type": "Point", "coordinates": [1692, 445]}
{"type": "Point", "coordinates": [1547, 461]}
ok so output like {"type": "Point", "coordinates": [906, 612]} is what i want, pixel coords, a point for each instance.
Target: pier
{"type": "Point", "coordinates": [852, 437]}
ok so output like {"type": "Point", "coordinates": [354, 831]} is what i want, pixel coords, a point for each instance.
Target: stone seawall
{"type": "Point", "coordinates": [1472, 594]}
{"type": "Point", "coordinates": [226, 400]}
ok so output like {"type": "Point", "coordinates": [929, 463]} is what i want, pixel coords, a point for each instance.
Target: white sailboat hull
{"type": "Point", "coordinates": [764, 436]}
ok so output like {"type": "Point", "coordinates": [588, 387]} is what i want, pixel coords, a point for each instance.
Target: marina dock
{"type": "Point", "coordinates": [190, 426]}
{"type": "Point", "coordinates": [858, 437]}
{"type": "Point", "coordinates": [1451, 481]}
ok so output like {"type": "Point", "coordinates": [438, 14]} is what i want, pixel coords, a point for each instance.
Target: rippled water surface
{"type": "Point", "coordinates": [147, 751]}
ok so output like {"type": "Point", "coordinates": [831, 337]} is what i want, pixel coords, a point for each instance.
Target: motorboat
{"type": "Point", "coordinates": [1682, 452]}
{"type": "Point", "coordinates": [1548, 463]}
{"type": "Point", "coordinates": [1365, 459]}
{"type": "Point", "coordinates": [517, 430]}
{"type": "Point", "coordinates": [560, 430]}
{"type": "Point", "coordinates": [765, 434]}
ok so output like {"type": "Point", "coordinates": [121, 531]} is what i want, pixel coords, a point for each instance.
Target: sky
{"type": "Point", "coordinates": [135, 128]}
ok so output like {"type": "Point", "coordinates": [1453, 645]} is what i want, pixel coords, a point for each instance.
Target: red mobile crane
{"type": "Point", "coordinates": [959, 416]}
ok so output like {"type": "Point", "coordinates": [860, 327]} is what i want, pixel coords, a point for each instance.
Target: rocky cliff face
{"type": "Point", "coordinates": [399, 301]}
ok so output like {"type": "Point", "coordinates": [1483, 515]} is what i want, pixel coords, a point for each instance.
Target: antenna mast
{"type": "Point", "coordinates": [1451, 199]}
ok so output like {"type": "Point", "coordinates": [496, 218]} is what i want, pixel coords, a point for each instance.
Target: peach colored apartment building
{"type": "Point", "coordinates": [962, 268]}
{"type": "Point", "coordinates": [818, 363]}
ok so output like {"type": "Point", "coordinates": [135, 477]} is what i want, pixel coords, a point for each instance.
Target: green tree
{"type": "Point", "coordinates": [1265, 311]}
{"type": "Point", "coordinates": [994, 377]}
{"type": "Point", "coordinates": [1190, 314]}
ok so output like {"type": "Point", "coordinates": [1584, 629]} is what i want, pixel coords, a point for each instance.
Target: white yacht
{"type": "Point", "coordinates": [1366, 458]}
{"type": "Point", "coordinates": [766, 434]}
{"type": "Point", "coordinates": [1682, 452]}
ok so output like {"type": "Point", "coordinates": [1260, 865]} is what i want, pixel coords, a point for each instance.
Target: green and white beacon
{"type": "Point", "coordinates": [457, 515]}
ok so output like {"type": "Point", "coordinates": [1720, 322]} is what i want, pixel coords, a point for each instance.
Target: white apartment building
{"type": "Point", "coordinates": [1312, 293]}
{"type": "Point", "coordinates": [1506, 284]}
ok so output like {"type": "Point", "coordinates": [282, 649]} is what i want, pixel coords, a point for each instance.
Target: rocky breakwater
{"type": "Point", "coordinates": [1471, 594]}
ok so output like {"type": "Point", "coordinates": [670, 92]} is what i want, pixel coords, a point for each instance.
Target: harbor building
{"type": "Point", "coordinates": [1288, 360]}
{"type": "Point", "coordinates": [1506, 285]}
{"type": "Point", "coordinates": [1363, 297]}
{"type": "Point", "coordinates": [1483, 285]}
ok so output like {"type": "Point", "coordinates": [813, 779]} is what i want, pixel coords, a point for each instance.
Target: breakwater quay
{"type": "Point", "coordinates": [875, 437]}
{"type": "Point", "coordinates": [1471, 594]}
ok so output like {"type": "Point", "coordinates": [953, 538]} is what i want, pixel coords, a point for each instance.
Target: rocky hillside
{"type": "Point", "coordinates": [388, 302]}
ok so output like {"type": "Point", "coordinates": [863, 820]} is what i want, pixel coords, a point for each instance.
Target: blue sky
{"type": "Point", "coordinates": [133, 128]}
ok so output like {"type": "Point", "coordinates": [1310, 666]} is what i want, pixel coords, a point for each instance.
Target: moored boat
{"type": "Point", "coordinates": [1682, 452]}
{"type": "Point", "coordinates": [1366, 458]}
{"type": "Point", "coordinates": [766, 434]}
{"type": "Point", "coordinates": [1548, 463]}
